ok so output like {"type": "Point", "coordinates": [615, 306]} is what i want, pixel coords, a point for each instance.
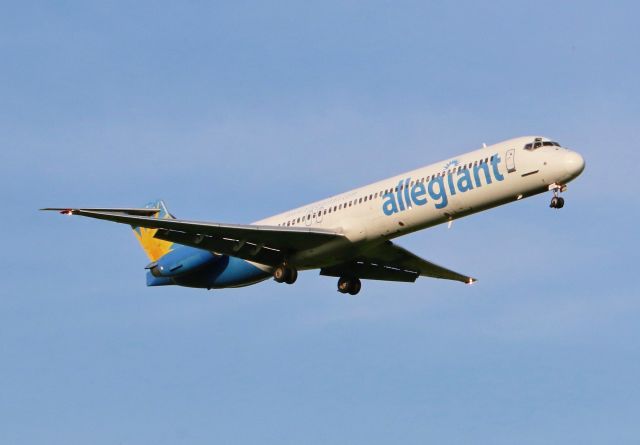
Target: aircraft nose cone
{"type": "Point", "coordinates": [574, 163]}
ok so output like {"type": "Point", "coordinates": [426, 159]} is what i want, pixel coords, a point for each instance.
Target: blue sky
{"type": "Point", "coordinates": [231, 112]}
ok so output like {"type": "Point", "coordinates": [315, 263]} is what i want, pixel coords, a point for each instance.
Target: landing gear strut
{"type": "Point", "coordinates": [285, 274]}
{"type": "Point", "coordinates": [557, 202]}
{"type": "Point", "coordinates": [349, 285]}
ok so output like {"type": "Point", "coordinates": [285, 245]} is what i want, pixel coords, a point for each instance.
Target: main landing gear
{"type": "Point", "coordinates": [349, 285]}
{"type": "Point", "coordinates": [285, 274]}
{"type": "Point", "coordinates": [557, 202]}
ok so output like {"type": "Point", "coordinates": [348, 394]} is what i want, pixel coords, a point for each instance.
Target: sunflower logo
{"type": "Point", "coordinates": [451, 164]}
{"type": "Point", "coordinates": [154, 248]}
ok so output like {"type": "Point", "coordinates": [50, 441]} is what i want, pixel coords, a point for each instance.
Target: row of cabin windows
{"type": "Point", "coordinates": [382, 193]}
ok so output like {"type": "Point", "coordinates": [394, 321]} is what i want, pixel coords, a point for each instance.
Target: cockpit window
{"type": "Point", "coordinates": [538, 143]}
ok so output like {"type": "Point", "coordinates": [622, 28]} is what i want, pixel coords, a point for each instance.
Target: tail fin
{"type": "Point", "coordinates": [153, 247]}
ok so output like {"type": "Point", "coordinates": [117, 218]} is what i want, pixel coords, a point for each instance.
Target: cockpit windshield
{"type": "Point", "coordinates": [540, 143]}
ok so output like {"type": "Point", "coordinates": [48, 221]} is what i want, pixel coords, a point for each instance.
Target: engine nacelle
{"type": "Point", "coordinates": [182, 261]}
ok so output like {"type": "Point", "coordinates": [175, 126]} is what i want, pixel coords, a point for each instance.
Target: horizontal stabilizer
{"type": "Point", "coordinates": [124, 211]}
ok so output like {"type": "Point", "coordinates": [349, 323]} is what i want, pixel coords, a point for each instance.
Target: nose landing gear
{"type": "Point", "coordinates": [285, 274]}
{"type": "Point", "coordinates": [557, 202]}
{"type": "Point", "coordinates": [349, 285]}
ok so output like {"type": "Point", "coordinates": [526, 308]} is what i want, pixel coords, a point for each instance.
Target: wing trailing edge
{"type": "Point", "coordinates": [260, 243]}
{"type": "Point", "coordinates": [390, 262]}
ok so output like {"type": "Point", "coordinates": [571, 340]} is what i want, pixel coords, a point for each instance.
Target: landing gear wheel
{"type": "Point", "coordinates": [343, 285]}
{"type": "Point", "coordinates": [292, 275]}
{"type": "Point", "coordinates": [349, 285]}
{"type": "Point", "coordinates": [280, 274]}
{"type": "Point", "coordinates": [557, 202]}
{"type": "Point", "coordinates": [356, 285]}
{"type": "Point", "coordinates": [285, 274]}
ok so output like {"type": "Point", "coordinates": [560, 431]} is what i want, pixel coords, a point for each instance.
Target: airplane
{"type": "Point", "coordinates": [347, 236]}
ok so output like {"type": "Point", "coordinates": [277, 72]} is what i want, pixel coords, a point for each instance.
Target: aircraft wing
{"type": "Point", "coordinates": [390, 262]}
{"type": "Point", "coordinates": [262, 244]}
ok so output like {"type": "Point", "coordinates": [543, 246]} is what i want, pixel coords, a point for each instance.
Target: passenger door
{"type": "Point", "coordinates": [510, 160]}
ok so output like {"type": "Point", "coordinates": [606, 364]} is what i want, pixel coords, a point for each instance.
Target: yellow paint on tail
{"type": "Point", "coordinates": [153, 247]}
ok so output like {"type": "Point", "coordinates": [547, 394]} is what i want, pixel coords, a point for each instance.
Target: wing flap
{"type": "Point", "coordinates": [246, 250]}
{"type": "Point", "coordinates": [371, 271]}
{"type": "Point", "coordinates": [401, 257]}
{"type": "Point", "coordinates": [390, 262]}
{"type": "Point", "coordinates": [232, 239]}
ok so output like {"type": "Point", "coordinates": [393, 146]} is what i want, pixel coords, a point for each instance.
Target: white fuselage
{"type": "Point", "coordinates": [437, 193]}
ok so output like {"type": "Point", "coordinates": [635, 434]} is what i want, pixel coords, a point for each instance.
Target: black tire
{"type": "Point", "coordinates": [344, 284]}
{"type": "Point", "coordinates": [560, 203]}
{"type": "Point", "coordinates": [355, 286]}
{"type": "Point", "coordinates": [292, 275]}
{"type": "Point", "coordinates": [554, 203]}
